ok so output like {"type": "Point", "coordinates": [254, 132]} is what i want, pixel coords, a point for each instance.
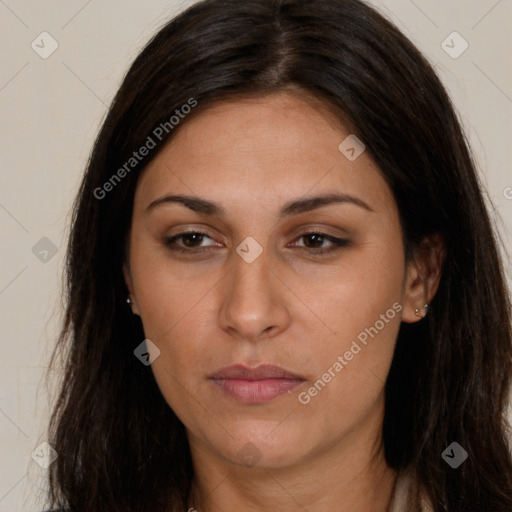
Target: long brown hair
{"type": "Point", "coordinates": [121, 448]}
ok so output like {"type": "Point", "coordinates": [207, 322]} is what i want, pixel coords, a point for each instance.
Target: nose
{"type": "Point", "coordinates": [253, 300]}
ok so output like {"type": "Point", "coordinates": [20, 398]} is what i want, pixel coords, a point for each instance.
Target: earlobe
{"type": "Point", "coordinates": [423, 278]}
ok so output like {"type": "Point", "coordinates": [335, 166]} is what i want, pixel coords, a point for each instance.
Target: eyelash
{"type": "Point", "coordinates": [338, 243]}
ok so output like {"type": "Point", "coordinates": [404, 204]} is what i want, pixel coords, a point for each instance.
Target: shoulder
{"type": "Point", "coordinates": [404, 492]}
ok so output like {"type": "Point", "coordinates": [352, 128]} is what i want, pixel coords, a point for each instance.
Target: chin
{"type": "Point", "coordinates": [265, 445]}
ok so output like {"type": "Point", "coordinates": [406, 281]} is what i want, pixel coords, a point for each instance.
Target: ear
{"type": "Point", "coordinates": [129, 284]}
{"type": "Point", "coordinates": [423, 276]}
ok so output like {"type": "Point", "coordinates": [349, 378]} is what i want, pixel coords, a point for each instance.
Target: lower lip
{"type": "Point", "coordinates": [256, 391]}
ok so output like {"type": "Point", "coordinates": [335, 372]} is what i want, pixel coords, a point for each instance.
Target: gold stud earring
{"type": "Point", "coordinates": [421, 312]}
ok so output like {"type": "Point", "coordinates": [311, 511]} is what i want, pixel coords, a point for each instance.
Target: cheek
{"type": "Point", "coordinates": [355, 294]}
{"type": "Point", "coordinates": [174, 304]}
{"type": "Point", "coordinates": [363, 308]}
{"type": "Point", "coordinates": [165, 290]}
{"type": "Point", "coordinates": [172, 310]}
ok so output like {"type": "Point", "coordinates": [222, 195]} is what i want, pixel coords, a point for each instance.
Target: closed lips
{"type": "Point", "coordinates": [258, 373]}
{"type": "Point", "coordinates": [255, 385]}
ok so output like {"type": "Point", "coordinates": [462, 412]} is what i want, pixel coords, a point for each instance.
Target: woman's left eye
{"type": "Point", "coordinates": [316, 240]}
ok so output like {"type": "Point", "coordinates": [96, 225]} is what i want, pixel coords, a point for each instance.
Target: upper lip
{"type": "Point", "coordinates": [261, 372]}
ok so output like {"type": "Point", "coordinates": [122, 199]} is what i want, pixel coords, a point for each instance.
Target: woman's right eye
{"type": "Point", "coordinates": [189, 241]}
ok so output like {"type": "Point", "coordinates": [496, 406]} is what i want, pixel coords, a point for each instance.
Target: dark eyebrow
{"type": "Point", "coordinates": [307, 204]}
{"type": "Point", "coordinates": [312, 203]}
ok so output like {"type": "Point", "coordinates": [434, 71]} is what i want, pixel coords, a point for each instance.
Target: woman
{"type": "Point", "coordinates": [284, 290]}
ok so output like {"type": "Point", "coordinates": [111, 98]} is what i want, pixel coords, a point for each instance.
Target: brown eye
{"type": "Point", "coordinates": [189, 239]}
{"type": "Point", "coordinates": [315, 242]}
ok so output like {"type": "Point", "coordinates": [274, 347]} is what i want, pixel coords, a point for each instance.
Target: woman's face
{"type": "Point", "coordinates": [252, 288]}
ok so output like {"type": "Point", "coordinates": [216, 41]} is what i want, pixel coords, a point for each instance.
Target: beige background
{"type": "Point", "coordinates": [51, 109]}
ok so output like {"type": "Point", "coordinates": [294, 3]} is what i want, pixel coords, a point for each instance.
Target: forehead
{"type": "Point", "coordinates": [276, 147]}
